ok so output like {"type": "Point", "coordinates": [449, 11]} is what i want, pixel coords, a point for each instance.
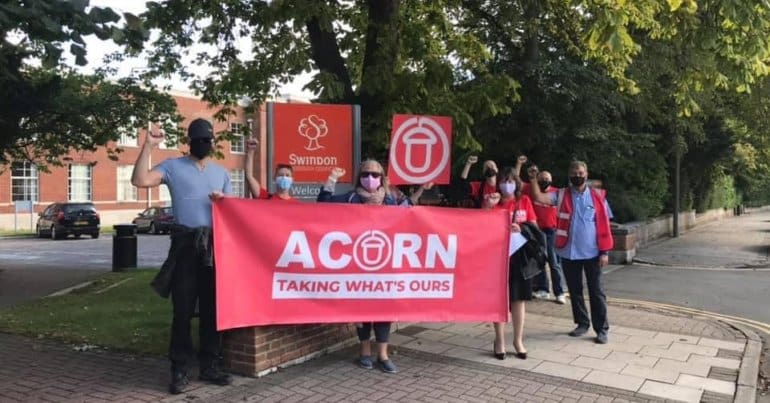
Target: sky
{"type": "Point", "coordinates": [97, 49]}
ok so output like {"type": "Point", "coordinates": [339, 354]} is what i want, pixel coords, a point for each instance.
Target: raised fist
{"type": "Point", "coordinates": [472, 160]}
{"type": "Point", "coordinates": [155, 137]}
{"type": "Point", "coordinates": [337, 173]}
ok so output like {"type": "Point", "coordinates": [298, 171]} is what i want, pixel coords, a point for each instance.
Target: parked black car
{"type": "Point", "coordinates": [155, 220]}
{"type": "Point", "coordinates": [74, 218]}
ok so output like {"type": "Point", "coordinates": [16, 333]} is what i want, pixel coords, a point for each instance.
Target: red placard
{"type": "Point", "coordinates": [286, 263]}
{"type": "Point", "coordinates": [313, 139]}
{"type": "Point", "coordinates": [420, 150]}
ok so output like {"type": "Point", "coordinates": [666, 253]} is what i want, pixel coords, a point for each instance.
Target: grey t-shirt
{"type": "Point", "coordinates": [190, 188]}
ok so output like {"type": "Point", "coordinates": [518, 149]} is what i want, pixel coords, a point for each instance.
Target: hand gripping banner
{"type": "Point", "coordinates": [292, 263]}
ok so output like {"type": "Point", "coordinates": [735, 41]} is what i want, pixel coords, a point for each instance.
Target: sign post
{"type": "Point", "coordinates": [313, 139]}
{"type": "Point", "coordinates": [21, 207]}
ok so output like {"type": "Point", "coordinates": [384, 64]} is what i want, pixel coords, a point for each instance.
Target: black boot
{"type": "Point", "coordinates": [179, 382]}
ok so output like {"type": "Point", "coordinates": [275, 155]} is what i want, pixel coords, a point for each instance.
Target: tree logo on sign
{"type": "Point", "coordinates": [416, 133]}
{"type": "Point", "coordinates": [313, 128]}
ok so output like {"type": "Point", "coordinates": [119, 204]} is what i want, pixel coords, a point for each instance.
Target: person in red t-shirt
{"type": "Point", "coordinates": [480, 190]}
{"type": "Point", "coordinates": [520, 290]}
{"type": "Point", "coordinates": [283, 177]}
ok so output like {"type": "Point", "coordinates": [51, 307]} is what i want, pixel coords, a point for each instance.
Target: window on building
{"type": "Point", "coordinates": [238, 144]}
{"type": "Point", "coordinates": [128, 135]}
{"type": "Point", "coordinates": [79, 188]}
{"type": "Point", "coordinates": [24, 181]}
{"type": "Point", "coordinates": [238, 183]}
{"type": "Point", "coordinates": [166, 144]}
{"type": "Point", "coordinates": [164, 195]}
{"type": "Point", "coordinates": [126, 191]}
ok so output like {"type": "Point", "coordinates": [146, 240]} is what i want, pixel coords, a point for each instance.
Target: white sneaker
{"type": "Point", "coordinates": [561, 299]}
{"type": "Point", "coordinates": [541, 294]}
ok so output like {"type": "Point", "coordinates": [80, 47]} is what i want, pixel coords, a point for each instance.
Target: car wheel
{"type": "Point", "coordinates": [54, 235]}
{"type": "Point", "coordinates": [95, 235]}
{"type": "Point", "coordinates": [153, 230]}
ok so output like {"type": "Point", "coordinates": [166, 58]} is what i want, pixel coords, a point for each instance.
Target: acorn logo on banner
{"type": "Point", "coordinates": [420, 150]}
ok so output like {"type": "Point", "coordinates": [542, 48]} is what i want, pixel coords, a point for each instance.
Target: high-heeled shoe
{"type": "Point", "coordinates": [499, 356]}
{"type": "Point", "coordinates": [522, 356]}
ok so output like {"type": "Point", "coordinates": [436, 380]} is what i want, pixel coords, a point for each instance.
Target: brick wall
{"type": "Point", "coordinates": [53, 185]}
{"type": "Point", "coordinates": [255, 351]}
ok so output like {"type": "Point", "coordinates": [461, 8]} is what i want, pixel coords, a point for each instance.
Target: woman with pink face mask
{"type": "Point", "coordinates": [519, 289]}
{"type": "Point", "coordinates": [371, 188]}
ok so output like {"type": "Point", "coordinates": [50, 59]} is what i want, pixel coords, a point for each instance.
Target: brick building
{"type": "Point", "coordinates": [92, 176]}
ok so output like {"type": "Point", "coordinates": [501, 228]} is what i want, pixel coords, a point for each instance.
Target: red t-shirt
{"type": "Point", "coordinates": [521, 209]}
{"type": "Point", "coordinates": [546, 214]}
{"type": "Point", "coordinates": [263, 195]}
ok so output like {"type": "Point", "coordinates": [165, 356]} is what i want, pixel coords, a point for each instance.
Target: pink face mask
{"type": "Point", "coordinates": [369, 183]}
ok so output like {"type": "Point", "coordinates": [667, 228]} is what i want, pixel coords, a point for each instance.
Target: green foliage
{"type": "Point", "coordinates": [49, 110]}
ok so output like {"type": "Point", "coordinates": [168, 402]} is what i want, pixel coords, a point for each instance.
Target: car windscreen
{"type": "Point", "coordinates": [78, 208]}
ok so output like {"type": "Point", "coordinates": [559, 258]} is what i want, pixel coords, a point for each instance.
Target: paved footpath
{"type": "Point", "coordinates": [651, 356]}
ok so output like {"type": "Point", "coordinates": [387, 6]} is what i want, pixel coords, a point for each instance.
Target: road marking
{"type": "Point", "coordinates": [761, 326]}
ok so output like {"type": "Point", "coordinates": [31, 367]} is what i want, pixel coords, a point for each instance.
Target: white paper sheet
{"type": "Point", "coordinates": [517, 241]}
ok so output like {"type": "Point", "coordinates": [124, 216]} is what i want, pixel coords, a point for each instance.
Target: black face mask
{"type": "Point", "coordinates": [543, 185]}
{"type": "Point", "coordinates": [200, 148]}
{"type": "Point", "coordinates": [489, 173]}
{"type": "Point", "coordinates": [577, 180]}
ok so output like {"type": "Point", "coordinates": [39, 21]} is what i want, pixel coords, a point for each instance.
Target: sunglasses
{"type": "Point", "coordinates": [372, 174]}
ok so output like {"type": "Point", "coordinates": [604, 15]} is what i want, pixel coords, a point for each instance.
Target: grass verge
{"type": "Point", "coordinates": [118, 311]}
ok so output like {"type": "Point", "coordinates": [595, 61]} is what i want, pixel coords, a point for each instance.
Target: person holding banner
{"type": "Point", "coordinates": [188, 272]}
{"type": "Point", "coordinates": [283, 177]}
{"type": "Point", "coordinates": [520, 289]}
{"type": "Point", "coordinates": [371, 187]}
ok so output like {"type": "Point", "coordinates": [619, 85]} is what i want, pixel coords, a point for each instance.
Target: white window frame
{"type": "Point", "coordinates": [164, 194]}
{"type": "Point", "coordinates": [163, 145]}
{"type": "Point", "coordinates": [238, 182]}
{"type": "Point", "coordinates": [123, 181]}
{"type": "Point", "coordinates": [126, 140]}
{"type": "Point", "coordinates": [86, 179]}
{"type": "Point", "coordinates": [238, 144]}
{"type": "Point", "coordinates": [30, 179]}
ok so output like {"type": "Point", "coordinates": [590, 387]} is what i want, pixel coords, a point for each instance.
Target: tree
{"type": "Point", "coordinates": [47, 109]}
{"type": "Point", "coordinates": [386, 55]}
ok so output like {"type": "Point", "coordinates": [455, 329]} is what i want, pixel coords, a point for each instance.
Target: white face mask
{"type": "Point", "coordinates": [508, 188]}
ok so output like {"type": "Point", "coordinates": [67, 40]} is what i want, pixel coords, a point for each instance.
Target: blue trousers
{"type": "Point", "coordinates": [554, 262]}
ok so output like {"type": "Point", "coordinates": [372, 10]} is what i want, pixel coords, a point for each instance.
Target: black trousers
{"type": "Point", "coordinates": [573, 272]}
{"type": "Point", "coordinates": [193, 283]}
{"type": "Point", "coordinates": [381, 332]}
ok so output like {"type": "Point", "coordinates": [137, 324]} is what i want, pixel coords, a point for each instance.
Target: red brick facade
{"type": "Point", "coordinates": [254, 351]}
{"type": "Point", "coordinates": [53, 186]}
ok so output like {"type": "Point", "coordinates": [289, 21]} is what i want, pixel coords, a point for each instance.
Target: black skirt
{"type": "Point", "coordinates": [519, 289]}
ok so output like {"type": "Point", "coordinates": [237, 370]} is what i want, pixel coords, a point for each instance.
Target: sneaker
{"type": "Point", "coordinates": [179, 382]}
{"type": "Point", "coordinates": [387, 366]}
{"type": "Point", "coordinates": [601, 338]}
{"type": "Point", "coordinates": [365, 362]}
{"type": "Point", "coordinates": [561, 299]}
{"type": "Point", "coordinates": [541, 294]}
{"type": "Point", "coordinates": [579, 331]}
{"type": "Point", "coordinates": [215, 376]}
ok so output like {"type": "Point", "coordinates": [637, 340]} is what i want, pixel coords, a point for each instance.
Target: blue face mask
{"type": "Point", "coordinates": [283, 182]}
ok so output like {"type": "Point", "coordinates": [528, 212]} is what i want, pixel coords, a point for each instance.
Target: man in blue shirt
{"type": "Point", "coordinates": [194, 181]}
{"type": "Point", "coordinates": [583, 241]}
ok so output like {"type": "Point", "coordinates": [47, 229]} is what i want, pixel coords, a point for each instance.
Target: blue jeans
{"type": "Point", "coordinates": [554, 261]}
